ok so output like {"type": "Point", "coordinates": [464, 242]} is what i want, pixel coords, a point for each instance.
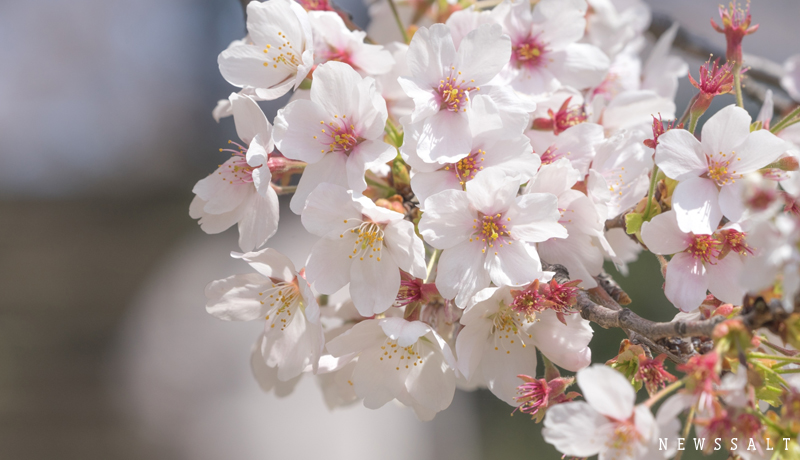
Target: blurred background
{"type": "Point", "coordinates": [106, 351]}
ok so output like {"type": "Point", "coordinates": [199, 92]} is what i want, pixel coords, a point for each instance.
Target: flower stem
{"type": "Point", "coordinates": [651, 193]}
{"type": "Point", "coordinates": [737, 83]}
{"type": "Point", "coordinates": [399, 22]}
{"type": "Point", "coordinates": [432, 263]}
{"type": "Point", "coordinates": [791, 359]}
{"type": "Point", "coordinates": [788, 371]}
{"type": "Point", "coordinates": [790, 119]}
{"type": "Point", "coordinates": [664, 391]}
{"type": "Point", "coordinates": [693, 119]}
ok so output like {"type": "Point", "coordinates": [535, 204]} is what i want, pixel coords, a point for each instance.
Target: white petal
{"type": "Point", "coordinates": [328, 265]}
{"type": "Point", "coordinates": [680, 155]}
{"type": "Point", "coordinates": [725, 130]}
{"type": "Point", "coordinates": [444, 137]}
{"type": "Point", "coordinates": [297, 131]}
{"type": "Point", "coordinates": [236, 298]}
{"type": "Point", "coordinates": [759, 149]}
{"type": "Point", "coordinates": [511, 264]}
{"type": "Point", "coordinates": [470, 345]}
{"type": "Point", "coordinates": [430, 51]}
{"type": "Point", "coordinates": [483, 53]}
{"type": "Point", "coordinates": [405, 247]}
{"type": "Point", "coordinates": [460, 272]}
{"type": "Point", "coordinates": [259, 220]}
{"type": "Point", "coordinates": [696, 205]}
{"type": "Point", "coordinates": [250, 121]}
{"type": "Point", "coordinates": [686, 283]}
{"type": "Point", "coordinates": [362, 335]}
{"type": "Point", "coordinates": [580, 65]}
{"type": "Point", "coordinates": [565, 345]}
{"type": "Point", "coordinates": [269, 263]}
{"type": "Point", "coordinates": [607, 391]}
{"type": "Point", "coordinates": [329, 210]}
{"type": "Point", "coordinates": [723, 279]}
{"type": "Point", "coordinates": [731, 201]}
{"type": "Point", "coordinates": [373, 284]}
{"type": "Point", "coordinates": [663, 236]}
{"type": "Point", "coordinates": [447, 220]}
{"type": "Point", "coordinates": [534, 217]}
{"type": "Point", "coordinates": [432, 383]}
{"type": "Point", "coordinates": [406, 333]}
{"type": "Point", "coordinates": [576, 429]}
{"type": "Point", "coordinates": [492, 192]}
{"type": "Point", "coordinates": [332, 168]}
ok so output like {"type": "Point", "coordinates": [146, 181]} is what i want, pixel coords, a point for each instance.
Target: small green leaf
{"type": "Point", "coordinates": [633, 222]}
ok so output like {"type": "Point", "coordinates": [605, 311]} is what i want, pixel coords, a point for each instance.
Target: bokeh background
{"type": "Point", "coordinates": [106, 351]}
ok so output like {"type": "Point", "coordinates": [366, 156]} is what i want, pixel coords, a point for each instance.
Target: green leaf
{"type": "Point", "coordinates": [633, 222]}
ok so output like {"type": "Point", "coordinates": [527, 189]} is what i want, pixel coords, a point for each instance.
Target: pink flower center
{"type": "Point", "coordinates": [704, 247]}
{"type": "Point", "coordinates": [237, 170]}
{"type": "Point", "coordinates": [529, 52]}
{"type": "Point", "coordinates": [491, 230]}
{"type": "Point", "coordinates": [720, 169]}
{"type": "Point", "coordinates": [507, 331]}
{"type": "Point", "coordinates": [551, 155]}
{"type": "Point", "coordinates": [466, 168]}
{"type": "Point", "coordinates": [454, 95]}
{"type": "Point", "coordinates": [338, 135]}
{"type": "Point", "coordinates": [735, 240]}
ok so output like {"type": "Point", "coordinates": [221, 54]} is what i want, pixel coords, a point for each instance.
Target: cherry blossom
{"type": "Point", "coordinates": [442, 81]}
{"type": "Point", "coordinates": [701, 262]}
{"type": "Point", "coordinates": [362, 244]}
{"type": "Point", "coordinates": [607, 423]}
{"type": "Point", "coordinates": [708, 169]}
{"type": "Point", "coordinates": [333, 41]}
{"type": "Point", "coordinates": [399, 359]}
{"type": "Point", "coordinates": [292, 336]}
{"type": "Point", "coordinates": [339, 131]}
{"type": "Point", "coordinates": [499, 341]}
{"type": "Point", "coordinates": [484, 232]}
{"type": "Point", "coordinates": [578, 252]}
{"type": "Point", "coordinates": [239, 191]}
{"type": "Point", "coordinates": [497, 143]}
{"type": "Point", "coordinates": [545, 50]}
{"type": "Point", "coordinates": [278, 52]}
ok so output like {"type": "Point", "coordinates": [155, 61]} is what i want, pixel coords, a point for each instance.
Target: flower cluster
{"type": "Point", "coordinates": [446, 168]}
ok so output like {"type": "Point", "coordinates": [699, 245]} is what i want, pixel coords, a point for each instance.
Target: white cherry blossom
{"type": "Point", "coordinates": [708, 169]}
{"type": "Point", "coordinates": [442, 81]}
{"type": "Point", "coordinates": [278, 52]}
{"type": "Point", "coordinates": [333, 41]}
{"type": "Point", "coordinates": [579, 253]}
{"type": "Point", "coordinates": [484, 232]}
{"type": "Point", "coordinates": [497, 143]}
{"type": "Point", "coordinates": [292, 338]}
{"type": "Point", "coordinates": [362, 244]}
{"type": "Point", "coordinates": [545, 50]}
{"type": "Point", "coordinates": [700, 262]}
{"type": "Point", "coordinates": [499, 342]}
{"type": "Point", "coordinates": [239, 191]}
{"type": "Point", "coordinates": [338, 132]}
{"type": "Point", "coordinates": [399, 359]}
{"type": "Point", "coordinates": [607, 423]}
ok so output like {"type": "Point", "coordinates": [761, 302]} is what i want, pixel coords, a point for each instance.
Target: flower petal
{"type": "Point", "coordinates": [723, 279]}
{"type": "Point", "coordinates": [405, 247]}
{"type": "Point", "coordinates": [686, 283]}
{"type": "Point", "coordinates": [607, 391]}
{"type": "Point", "coordinates": [373, 284]}
{"type": "Point", "coordinates": [565, 345]}
{"type": "Point", "coordinates": [725, 130]}
{"type": "Point", "coordinates": [696, 205]}
{"type": "Point", "coordinates": [663, 236]}
{"type": "Point", "coordinates": [680, 155]}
